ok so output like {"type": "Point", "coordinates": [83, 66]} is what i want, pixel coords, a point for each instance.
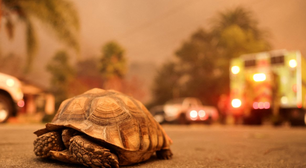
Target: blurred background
{"type": "Point", "coordinates": [174, 56]}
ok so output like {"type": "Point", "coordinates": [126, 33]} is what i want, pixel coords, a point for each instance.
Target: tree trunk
{"type": "Point", "coordinates": [0, 12]}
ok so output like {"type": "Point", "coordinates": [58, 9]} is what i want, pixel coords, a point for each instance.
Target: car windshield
{"type": "Point", "coordinates": [175, 101]}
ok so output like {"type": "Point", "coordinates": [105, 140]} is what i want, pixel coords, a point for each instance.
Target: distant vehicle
{"type": "Point", "coordinates": [187, 110]}
{"type": "Point", "coordinates": [158, 113]}
{"type": "Point", "coordinates": [269, 84]}
{"type": "Point", "coordinates": [11, 96]}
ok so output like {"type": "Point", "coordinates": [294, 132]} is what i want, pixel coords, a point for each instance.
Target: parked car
{"type": "Point", "coordinates": [189, 109]}
{"type": "Point", "coordinates": [10, 96]}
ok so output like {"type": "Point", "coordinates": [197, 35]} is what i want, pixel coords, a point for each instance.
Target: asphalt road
{"type": "Point", "coordinates": [194, 146]}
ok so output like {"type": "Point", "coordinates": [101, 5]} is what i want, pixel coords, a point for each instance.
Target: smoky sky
{"type": "Point", "coordinates": [152, 30]}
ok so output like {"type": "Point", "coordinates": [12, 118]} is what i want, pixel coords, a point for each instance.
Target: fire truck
{"type": "Point", "coordinates": [268, 86]}
{"type": "Point", "coordinates": [11, 96]}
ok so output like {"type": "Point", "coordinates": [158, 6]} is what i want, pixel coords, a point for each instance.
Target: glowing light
{"type": "Point", "coordinates": [236, 103]}
{"type": "Point", "coordinates": [259, 77]}
{"type": "Point", "coordinates": [202, 113]}
{"type": "Point", "coordinates": [284, 100]}
{"type": "Point", "coordinates": [193, 114]}
{"type": "Point", "coordinates": [3, 115]}
{"type": "Point", "coordinates": [10, 82]}
{"type": "Point", "coordinates": [260, 105]}
{"type": "Point", "coordinates": [20, 103]}
{"type": "Point", "coordinates": [267, 105]}
{"type": "Point", "coordinates": [292, 63]}
{"type": "Point", "coordinates": [235, 69]}
{"type": "Point", "coordinates": [294, 87]}
{"type": "Point", "coordinates": [255, 105]}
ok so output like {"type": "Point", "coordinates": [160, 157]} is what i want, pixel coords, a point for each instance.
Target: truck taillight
{"type": "Point", "coordinates": [261, 105]}
{"type": "Point", "coordinates": [299, 105]}
{"type": "Point", "coordinates": [236, 103]}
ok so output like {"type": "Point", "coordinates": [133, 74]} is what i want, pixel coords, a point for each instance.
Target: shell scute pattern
{"type": "Point", "coordinates": [106, 111]}
{"type": "Point", "coordinates": [114, 118]}
{"type": "Point", "coordinates": [75, 110]}
{"type": "Point", "coordinates": [134, 108]}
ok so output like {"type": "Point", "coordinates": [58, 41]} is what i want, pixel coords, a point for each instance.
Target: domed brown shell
{"type": "Point", "coordinates": [114, 118]}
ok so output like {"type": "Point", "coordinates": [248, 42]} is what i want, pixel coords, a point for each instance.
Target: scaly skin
{"type": "Point", "coordinates": [47, 142]}
{"type": "Point", "coordinates": [80, 150]}
{"type": "Point", "coordinates": [91, 154]}
{"type": "Point", "coordinates": [67, 134]}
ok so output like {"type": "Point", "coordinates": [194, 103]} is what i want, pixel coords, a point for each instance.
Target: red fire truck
{"type": "Point", "coordinates": [268, 85]}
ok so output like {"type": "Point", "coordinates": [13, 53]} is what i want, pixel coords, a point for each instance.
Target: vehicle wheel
{"type": "Point", "coordinates": [254, 119]}
{"type": "Point", "coordinates": [182, 119]}
{"type": "Point", "coordinates": [208, 121]}
{"type": "Point", "coordinates": [6, 108]}
{"type": "Point", "coordinates": [276, 120]}
{"type": "Point", "coordinates": [297, 117]}
{"type": "Point", "coordinates": [305, 118]}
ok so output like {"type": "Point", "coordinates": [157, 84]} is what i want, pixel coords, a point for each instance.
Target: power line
{"type": "Point", "coordinates": [155, 20]}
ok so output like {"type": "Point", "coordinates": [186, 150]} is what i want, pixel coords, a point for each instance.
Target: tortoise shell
{"type": "Point", "coordinates": [114, 119]}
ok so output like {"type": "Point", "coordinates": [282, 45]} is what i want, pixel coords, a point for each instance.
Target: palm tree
{"type": "Point", "coordinates": [239, 16]}
{"type": "Point", "coordinates": [238, 32]}
{"type": "Point", "coordinates": [58, 15]}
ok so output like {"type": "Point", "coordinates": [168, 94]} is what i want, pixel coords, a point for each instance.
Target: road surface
{"type": "Point", "coordinates": [204, 146]}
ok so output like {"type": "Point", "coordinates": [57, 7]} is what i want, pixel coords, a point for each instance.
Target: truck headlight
{"type": "Point", "coordinates": [235, 69]}
{"type": "Point", "coordinates": [259, 77]}
{"type": "Point", "coordinates": [202, 113]}
{"type": "Point", "coordinates": [10, 82]}
{"type": "Point", "coordinates": [236, 103]}
{"type": "Point", "coordinates": [292, 63]}
{"type": "Point", "coordinates": [193, 114]}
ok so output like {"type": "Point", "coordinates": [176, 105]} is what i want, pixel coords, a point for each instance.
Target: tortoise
{"type": "Point", "coordinates": [102, 128]}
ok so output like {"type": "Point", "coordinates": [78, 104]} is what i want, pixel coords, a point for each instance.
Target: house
{"type": "Point", "coordinates": [37, 99]}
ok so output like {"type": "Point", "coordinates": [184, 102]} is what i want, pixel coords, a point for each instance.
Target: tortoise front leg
{"type": "Point", "coordinates": [91, 154]}
{"type": "Point", "coordinates": [47, 142]}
